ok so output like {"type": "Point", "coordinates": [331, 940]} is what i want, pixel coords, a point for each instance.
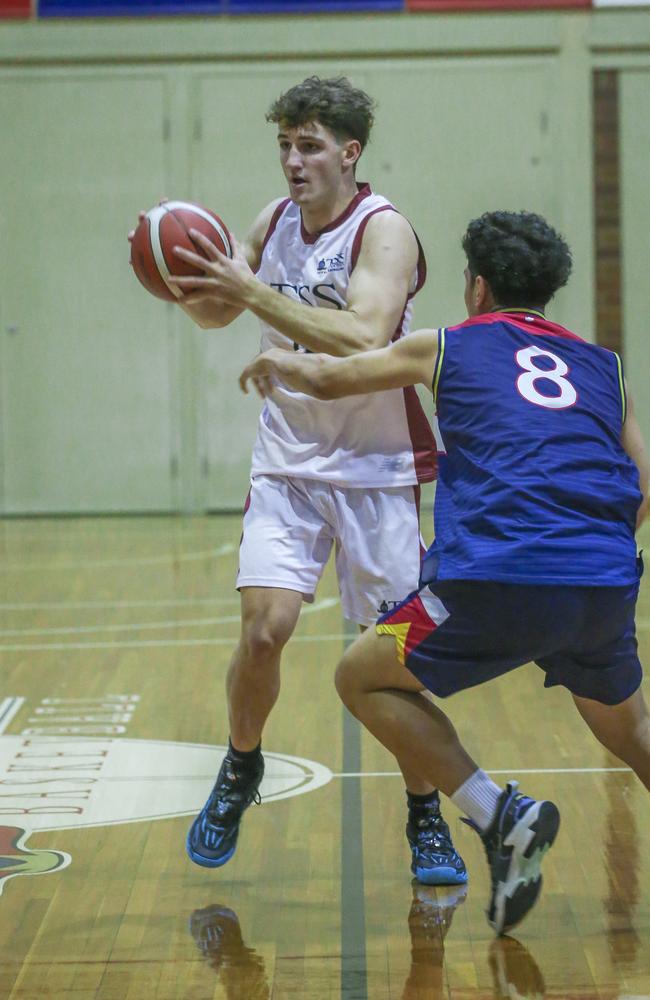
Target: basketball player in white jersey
{"type": "Point", "coordinates": [332, 269]}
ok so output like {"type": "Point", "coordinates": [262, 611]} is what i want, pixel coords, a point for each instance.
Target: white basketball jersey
{"type": "Point", "coordinates": [379, 439]}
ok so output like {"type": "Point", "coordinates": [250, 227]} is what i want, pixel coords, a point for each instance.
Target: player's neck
{"type": "Point", "coordinates": [317, 216]}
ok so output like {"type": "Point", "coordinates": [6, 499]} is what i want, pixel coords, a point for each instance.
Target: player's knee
{"type": "Point", "coordinates": [263, 639]}
{"type": "Point", "coordinates": [346, 680]}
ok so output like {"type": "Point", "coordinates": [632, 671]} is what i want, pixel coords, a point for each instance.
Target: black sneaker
{"type": "Point", "coordinates": [212, 838]}
{"type": "Point", "coordinates": [435, 860]}
{"type": "Point", "coordinates": [516, 842]}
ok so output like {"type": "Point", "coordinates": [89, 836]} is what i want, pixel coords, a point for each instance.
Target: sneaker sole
{"type": "Point", "coordinates": [204, 862]}
{"type": "Point", "coordinates": [440, 876]}
{"type": "Point", "coordinates": [530, 839]}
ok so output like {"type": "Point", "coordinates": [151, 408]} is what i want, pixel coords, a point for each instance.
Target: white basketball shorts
{"type": "Point", "coordinates": [291, 525]}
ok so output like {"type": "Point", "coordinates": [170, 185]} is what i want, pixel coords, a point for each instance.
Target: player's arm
{"type": "Point", "coordinates": [377, 292]}
{"type": "Point", "coordinates": [632, 441]}
{"type": "Point", "coordinates": [206, 308]}
{"type": "Point", "coordinates": [406, 362]}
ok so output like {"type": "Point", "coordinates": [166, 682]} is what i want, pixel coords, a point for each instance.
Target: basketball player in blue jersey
{"type": "Point", "coordinates": [542, 485]}
{"type": "Point", "coordinates": [331, 268]}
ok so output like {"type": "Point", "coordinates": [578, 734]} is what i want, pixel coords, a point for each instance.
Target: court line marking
{"type": "Point", "coordinates": [170, 557]}
{"type": "Point", "coordinates": [79, 605]}
{"type": "Point", "coordinates": [327, 602]}
{"type": "Point", "coordinates": [270, 775]}
{"type": "Point", "coordinates": [152, 643]}
{"type": "Point", "coordinates": [512, 770]}
{"type": "Point", "coordinates": [148, 643]}
{"type": "Point", "coordinates": [354, 967]}
{"type": "Point", "coordinates": [9, 709]}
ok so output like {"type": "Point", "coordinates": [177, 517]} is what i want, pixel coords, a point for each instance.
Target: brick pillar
{"type": "Point", "coordinates": [607, 210]}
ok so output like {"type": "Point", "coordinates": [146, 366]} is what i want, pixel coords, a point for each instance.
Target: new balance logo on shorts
{"type": "Point", "coordinates": [387, 606]}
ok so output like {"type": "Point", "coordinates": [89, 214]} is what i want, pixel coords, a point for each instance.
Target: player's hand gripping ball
{"type": "Point", "coordinates": [167, 226]}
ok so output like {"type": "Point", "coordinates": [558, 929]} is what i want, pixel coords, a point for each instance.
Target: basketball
{"type": "Point", "coordinates": [167, 226]}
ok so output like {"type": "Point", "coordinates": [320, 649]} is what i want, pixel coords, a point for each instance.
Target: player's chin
{"type": "Point", "coordinates": [299, 193]}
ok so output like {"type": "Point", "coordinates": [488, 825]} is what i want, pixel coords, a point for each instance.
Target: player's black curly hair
{"type": "Point", "coordinates": [523, 259]}
{"type": "Point", "coordinates": [346, 111]}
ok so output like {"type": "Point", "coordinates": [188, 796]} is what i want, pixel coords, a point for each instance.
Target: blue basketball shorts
{"type": "Point", "coordinates": [454, 634]}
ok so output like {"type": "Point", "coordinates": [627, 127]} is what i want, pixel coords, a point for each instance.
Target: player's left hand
{"type": "Point", "coordinates": [224, 278]}
{"type": "Point", "coordinates": [262, 371]}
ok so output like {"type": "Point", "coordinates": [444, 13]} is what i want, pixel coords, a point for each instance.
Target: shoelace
{"type": "Point", "coordinates": [228, 794]}
{"type": "Point", "coordinates": [432, 831]}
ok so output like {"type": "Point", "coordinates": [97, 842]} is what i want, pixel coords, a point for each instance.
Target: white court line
{"type": "Point", "coordinates": [168, 602]}
{"type": "Point", "coordinates": [327, 602]}
{"type": "Point", "coordinates": [170, 557]}
{"type": "Point", "coordinates": [162, 643]}
{"type": "Point", "coordinates": [512, 770]}
{"type": "Point", "coordinates": [130, 778]}
{"type": "Point", "coordinates": [128, 627]}
{"type": "Point", "coordinates": [9, 709]}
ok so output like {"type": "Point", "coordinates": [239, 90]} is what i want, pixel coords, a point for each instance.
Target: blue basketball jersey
{"type": "Point", "coordinates": [533, 484]}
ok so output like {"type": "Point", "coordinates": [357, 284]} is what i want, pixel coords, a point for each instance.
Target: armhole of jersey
{"type": "Point", "coordinates": [438, 368]}
{"type": "Point", "coordinates": [621, 385]}
{"type": "Point", "coordinates": [358, 236]}
{"type": "Point", "coordinates": [421, 266]}
{"type": "Point", "coordinates": [275, 218]}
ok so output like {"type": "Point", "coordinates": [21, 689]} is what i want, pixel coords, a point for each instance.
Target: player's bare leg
{"type": "Point", "coordinates": [517, 831]}
{"type": "Point", "coordinates": [388, 700]}
{"type": "Point", "coordinates": [415, 784]}
{"type": "Point", "coordinates": [434, 859]}
{"type": "Point", "coordinates": [269, 616]}
{"type": "Point", "coordinates": [623, 729]}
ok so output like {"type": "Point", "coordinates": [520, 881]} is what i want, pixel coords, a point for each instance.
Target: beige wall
{"type": "Point", "coordinates": [110, 399]}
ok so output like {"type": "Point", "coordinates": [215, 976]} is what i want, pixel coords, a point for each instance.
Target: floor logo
{"type": "Point", "coordinates": [60, 783]}
{"type": "Point", "coordinates": [16, 859]}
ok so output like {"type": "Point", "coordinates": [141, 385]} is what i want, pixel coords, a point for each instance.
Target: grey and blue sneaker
{"type": "Point", "coordinates": [212, 838]}
{"type": "Point", "coordinates": [435, 860]}
{"type": "Point", "coordinates": [521, 833]}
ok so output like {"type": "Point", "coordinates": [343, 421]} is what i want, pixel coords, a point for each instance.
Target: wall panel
{"type": "Point", "coordinates": [85, 353]}
{"type": "Point", "coordinates": [634, 122]}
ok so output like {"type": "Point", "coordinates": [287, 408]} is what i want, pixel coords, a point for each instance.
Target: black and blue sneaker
{"type": "Point", "coordinates": [435, 860]}
{"type": "Point", "coordinates": [515, 843]}
{"type": "Point", "coordinates": [212, 838]}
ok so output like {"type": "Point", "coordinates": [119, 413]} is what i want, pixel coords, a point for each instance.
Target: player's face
{"type": "Point", "coordinates": [313, 160]}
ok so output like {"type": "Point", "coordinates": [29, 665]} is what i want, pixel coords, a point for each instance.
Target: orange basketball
{"type": "Point", "coordinates": [165, 227]}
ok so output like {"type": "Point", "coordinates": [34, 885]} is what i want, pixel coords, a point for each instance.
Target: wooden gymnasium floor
{"type": "Point", "coordinates": [114, 639]}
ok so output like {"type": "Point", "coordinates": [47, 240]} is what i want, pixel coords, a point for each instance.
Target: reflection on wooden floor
{"type": "Point", "coordinates": [115, 635]}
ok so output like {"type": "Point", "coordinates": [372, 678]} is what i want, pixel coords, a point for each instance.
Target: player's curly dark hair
{"type": "Point", "coordinates": [523, 259]}
{"type": "Point", "coordinates": [346, 111]}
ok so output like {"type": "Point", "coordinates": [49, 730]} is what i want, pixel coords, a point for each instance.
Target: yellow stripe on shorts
{"type": "Point", "coordinates": [400, 632]}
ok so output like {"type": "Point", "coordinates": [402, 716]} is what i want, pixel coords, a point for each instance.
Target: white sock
{"type": "Point", "coordinates": [477, 798]}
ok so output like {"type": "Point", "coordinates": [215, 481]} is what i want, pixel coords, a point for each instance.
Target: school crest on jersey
{"type": "Point", "coordinates": [335, 263]}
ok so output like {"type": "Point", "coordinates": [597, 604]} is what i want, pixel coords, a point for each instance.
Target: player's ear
{"type": "Point", "coordinates": [482, 295]}
{"type": "Point", "coordinates": [351, 152]}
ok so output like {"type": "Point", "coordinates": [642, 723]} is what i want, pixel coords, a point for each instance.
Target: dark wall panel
{"type": "Point", "coordinates": [153, 8]}
{"type": "Point", "coordinates": [127, 8]}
